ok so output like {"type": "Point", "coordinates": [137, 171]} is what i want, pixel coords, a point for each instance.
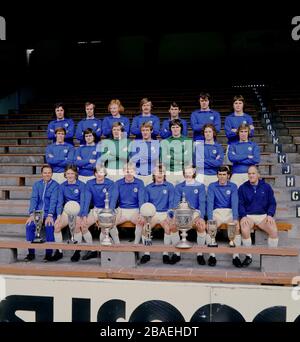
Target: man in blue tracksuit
{"type": "Point", "coordinates": [71, 190]}
{"type": "Point", "coordinates": [174, 111]}
{"type": "Point", "coordinates": [115, 108]}
{"type": "Point", "coordinates": [203, 116]}
{"type": "Point", "coordinates": [236, 119]}
{"type": "Point", "coordinates": [243, 154]}
{"type": "Point", "coordinates": [44, 197]}
{"type": "Point", "coordinates": [59, 155]}
{"type": "Point", "coordinates": [209, 156]}
{"type": "Point", "coordinates": [196, 197]}
{"type": "Point", "coordinates": [86, 157]}
{"type": "Point", "coordinates": [96, 190]}
{"type": "Point", "coordinates": [61, 121]}
{"type": "Point", "coordinates": [89, 122]}
{"type": "Point", "coordinates": [144, 153]}
{"type": "Point", "coordinates": [222, 207]}
{"type": "Point", "coordinates": [257, 206]}
{"type": "Point", "coordinates": [145, 116]}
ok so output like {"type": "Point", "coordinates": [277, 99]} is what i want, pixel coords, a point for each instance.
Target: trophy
{"type": "Point", "coordinates": [106, 221]}
{"type": "Point", "coordinates": [183, 215]}
{"type": "Point", "coordinates": [72, 209]}
{"type": "Point", "coordinates": [231, 231]}
{"type": "Point", "coordinates": [38, 218]}
{"type": "Point", "coordinates": [147, 211]}
{"type": "Point", "coordinates": [212, 232]}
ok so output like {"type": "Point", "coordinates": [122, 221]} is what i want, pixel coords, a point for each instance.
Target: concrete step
{"type": "Point", "coordinates": [14, 207]}
{"type": "Point", "coordinates": [277, 169]}
{"type": "Point", "coordinates": [18, 179]}
{"type": "Point", "coordinates": [272, 158]}
{"type": "Point", "coordinates": [280, 181]}
{"type": "Point", "coordinates": [26, 159]}
{"type": "Point", "coordinates": [25, 169]}
{"type": "Point", "coordinates": [286, 147]}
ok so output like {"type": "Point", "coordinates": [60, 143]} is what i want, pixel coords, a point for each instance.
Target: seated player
{"type": "Point", "coordinates": [174, 111]}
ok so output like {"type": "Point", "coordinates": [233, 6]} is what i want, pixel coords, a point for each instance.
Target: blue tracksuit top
{"type": "Point", "coordinates": [71, 192]}
{"type": "Point", "coordinates": [213, 157]}
{"type": "Point", "coordinates": [94, 124]}
{"type": "Point", "coordinates": [59, 156]}
{"type": "Point", "coordinates": [199, 118]}
{"type": "Point", "coordinates": [95, 194]}
{"type": "Point", "coordinates": [67, 124]}
{"type": "Point", "coordinates": [160, 195]}
{"type": "Point", "coordinates": [222, 196]}
{"type": "Point", "coordinates": [139, 120]}
{"type": "Point", "coordinates": [195, 196]}
{"type": "Point", "coordinates": [44, 196]}
{"type": "Point", "coordinates": [86, 152]}
{"type": "Point", "coordinates": [257, 201]}
{"type": "Point", "coordinates": [165, 131]}
{"type": "Point", "coordinates": [145, 155]}
{"type": "Point", "coordinates": [109, 120]}
{"type": "Point", "coordinates": [129, 195]}
{"type": "Point", "coordinates": [238, 154]}
{"type": "Point", "coordinates": [234, 121]}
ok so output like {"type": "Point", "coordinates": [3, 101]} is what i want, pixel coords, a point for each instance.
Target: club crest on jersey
{"type": "Point", "coordinates": [66, 124]}
{"type": "Point", "coordinates": [76, 191]}
{"type": "Point", "coordinates": [249, 148]}
{"type": "Point", "coordinates": [211, 117]}
{"type": "Point", "coordinates": [214, 151]}
{"type": "Point", "coordinates": [94, 124]}
{"type": "Point", "coordinates": [195, 191]}
{"type": "Point", "coordinates": [165, 191]}
{"type": "Point", "coordinates": [66, 151]}
{"type": "Point", "coordinates": [104, 190]}
{"type": "Point", "coordinates": [94, 152]}
{"type": "Point", "coordinates": [244, 122]}
{"type": "Point", "coordinates": [135, 189]}
{"type": "Point", "coordinates": [228, 192]}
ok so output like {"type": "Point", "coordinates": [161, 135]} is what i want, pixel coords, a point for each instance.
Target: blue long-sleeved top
{"type": "Point", "coordinates": [234, 121]}
{"type": "Point", "coordinates": [222, 196]}
{"type": "Point", "coordinates": [256, 201]}
{"type": "Point", "coordinates": [165, 131]}
{"type": "Point", "coordinates": [94, 124]}
{"type": "Point", "coordinates": [208, 156]}
{"type": "Point", "coordinates": [71, 192]}
{"type": "Point", "coordinates": [95, 194]}
{"type": "Point", "coordinates": [86, 152]}
{"type": "Point", "coordinates": [129, 195]}
{"type": "Point", "coordinates": [199, 118]}
{"type": "Point", "coordinates": [139, 120]}
{"type": "Point", "coordinates": [239, 153]}
{"type": "Point", "coordinates": [145, 155]}
{"type": "Point", "coordinates": [44, 196]}
{"type": "Point", "coordinates": [67, 124]}
{"type": "Point", "coordinates": [59, 156]}
{"type": "Point", "coordinates": [195, 196]}
{"type": "Point", "coordinates": [109, 120]}
{"type": "Point", "coordinates": [160, 195]}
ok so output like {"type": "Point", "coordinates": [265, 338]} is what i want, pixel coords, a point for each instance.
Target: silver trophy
{"type": "Point", "coordinates": [183, 215]}
{"type": "Point", "coordinates": [231, 231]}
{"type": "Point", "coordinates": [212, 232]}
{"type": "Point", "coordinates": [72, 209]}
{"type": "Point", "coordinates": [106, 221]}
{"type": "Point", "coordinates": [147, 211]}
{"type": "Point", "coordinates": [38, 218]}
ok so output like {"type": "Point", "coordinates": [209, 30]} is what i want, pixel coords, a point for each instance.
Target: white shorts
{"type": "Point", "coordinates": [84, 179]}
{"type": "Point", "coordinates": [222, 215]}
{"type": "Point", "coordinates": [126, 214]}
{"type": "Point", "coordinates": [257, 219]}
{"type": "Point", "coordinates": [158, 218]}
{"type": "Point", "coordinates": [59, 177]}
{"type": "Point", "coordinates": [94, 213]}
{"type": "Point", "coordinates": [239, 178]}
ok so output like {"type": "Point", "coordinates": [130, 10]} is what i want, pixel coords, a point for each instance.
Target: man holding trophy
{"type": "Point", "coordinates": [196, 198]}
{"type": "Point", "coordinates": [222, 207]}
{"type": "Point", "coordinates": [42, 211]}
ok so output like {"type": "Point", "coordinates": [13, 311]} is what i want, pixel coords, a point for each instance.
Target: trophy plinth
{"type": "Point", "coordinates": [106, 221]}
{"type": "Point", "coordinates": [231, 232]}
{"type": "Point", "coordinates": [72, 209]}
{"type": "Point", "coordinates": [38, 218]}
{"type": "Point", "coordinates": [212, 232]}
{"type": "Point", "coordinates": [183, 215]}
{"type": "Point", "coordinates": [147, 210]}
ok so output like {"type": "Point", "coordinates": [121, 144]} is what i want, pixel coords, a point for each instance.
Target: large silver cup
{"type": "Point", "coordinates": [212, 232]}
{"type": "Point", "coordinates": [183, 215]}
{"type": "Point", "coordinates": [72, 225]}
{"type": "Point", "coordinates": [72, 209]}
{"type": "Point", "coordinates": [147, 210]}
{"type": "Point", "coordinates": [231, 232]}
{"type": "Point", "coordinates": [106, 221]}
{"type": "Point", "coordinates": [38, 219]}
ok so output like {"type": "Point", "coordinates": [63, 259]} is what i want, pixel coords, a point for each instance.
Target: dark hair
{"type": "Point", "coordinates": [212, 127]}
{"type": "Point", "coordinates": [73, 168]}
{"type": "Point", "coordinates": [224, 168]}
{"type": "Point", "coordinates": [174, 104]}
{"type": "Point", "coordinates": [60, 129]}
{"type": "Point", "coordinates": [60, 104]}
{"type": "Point", "coordinates": [239, 98]}
{"type": "Point", "coordinates": [161, 167]}
{"type": "Point", "coordinates": [46, 166]}
{"type": "Point", "coordinates": [90, 131]}
{"type": "Point", "coordinates": [205, 96]}
{"type": "Point", "coordinates": [176, 122]}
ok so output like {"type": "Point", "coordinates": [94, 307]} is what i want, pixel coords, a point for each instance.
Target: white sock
{"type": "Point", "coordinates": [78, 237]}
{"type": "Point", "coordinates": [58, 238]}
{"type": "Point", "coordinates": [167, 241]}
{"type": "Point", "coordinates": [272, 242]}
{"type": "Point", "coordinates": [175, 238]}
{"type": "Point", "coordinates": [114, 233]}
{"type": "Point", "coordinates": [247, 243]}
{"type": "Point", "coordinates": [88, 237]}
{"type": "Point", "coordinates": [138, 234]}
{"type": "Point", "coordinates": [201, 237]}
{"type": "Point", "coordinates": [238, 243]}
{"type": "Point", "coordinates": [212, 255]}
